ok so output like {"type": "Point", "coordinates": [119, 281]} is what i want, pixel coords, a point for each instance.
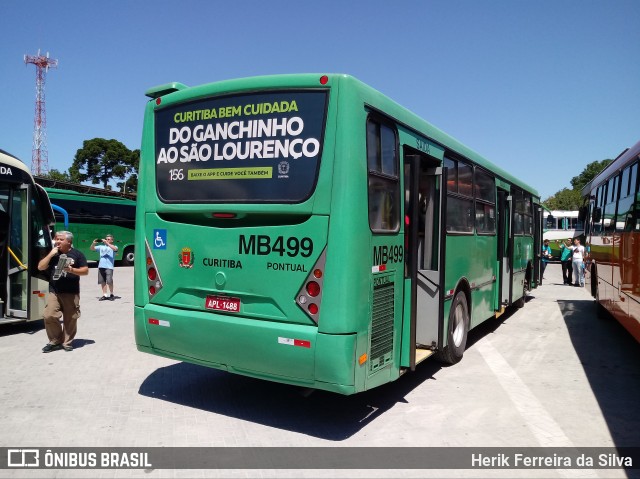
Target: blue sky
{"type": "Point", "coordinates": [540, 88]}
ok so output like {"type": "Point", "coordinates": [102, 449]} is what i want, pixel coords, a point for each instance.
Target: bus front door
{"type": "Point", "coordinates": [505, 245]}
{"type": "Point", "coordinates": [425, 257]}
{"type": "Point", "coordinates": [17, 284]}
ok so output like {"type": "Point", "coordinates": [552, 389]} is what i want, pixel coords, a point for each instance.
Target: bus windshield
{"type": "Point", "coordinates": [250, 148]}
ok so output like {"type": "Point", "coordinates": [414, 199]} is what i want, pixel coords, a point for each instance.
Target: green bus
{"type": "Point", "coordinates": [93, 213]}
{"type": "Point", "coordinates": [306, 229]}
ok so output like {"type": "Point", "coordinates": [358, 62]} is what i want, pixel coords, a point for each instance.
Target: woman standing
{"type": "Point", "coordinates": [577, 261]}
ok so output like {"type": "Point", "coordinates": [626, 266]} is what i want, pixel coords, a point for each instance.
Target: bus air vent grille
{"type": "Point", "coordinates": [382, 326]}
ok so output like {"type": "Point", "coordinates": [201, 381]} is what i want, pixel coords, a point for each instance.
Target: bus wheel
{"type": "Point", "coordinates": [128, 256]}
{"type": "Point", "coordinates": [519, 303]}
{"type": "Point", "coordinates": [457, 331]}
{"type": "Point", "coordinates": [601, 311]}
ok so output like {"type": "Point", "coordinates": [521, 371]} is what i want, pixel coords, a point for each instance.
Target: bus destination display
{"type": "Point", "coordinates": [251, 148]}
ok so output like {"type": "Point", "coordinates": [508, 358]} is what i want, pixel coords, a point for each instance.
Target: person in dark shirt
{"type": "Point", "coordinates": [64, 293]}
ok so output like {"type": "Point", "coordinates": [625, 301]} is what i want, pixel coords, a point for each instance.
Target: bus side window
{"type": "Point", "coordinates": [519, 213]}
{"type": "Point", "coordinates": [628, 204]}
{"type": "Point", "coordinates": [460, 213]}
{"type": "Point", "coordinates": [384, 180]}
{"type": "Point", "coordinates": [610, 207]}
{"type": "Point", "coordinates": [485, 196]}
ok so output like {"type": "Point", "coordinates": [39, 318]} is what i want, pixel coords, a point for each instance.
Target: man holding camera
{"type": "Point", "coordinates": [107, 251]}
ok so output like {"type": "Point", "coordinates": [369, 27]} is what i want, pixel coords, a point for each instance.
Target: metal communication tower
{"type": "Point", "coordinates": [39, 155]}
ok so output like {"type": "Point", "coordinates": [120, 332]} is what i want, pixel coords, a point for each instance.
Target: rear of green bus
{"type": "Point", "coordinates": [232, 228]}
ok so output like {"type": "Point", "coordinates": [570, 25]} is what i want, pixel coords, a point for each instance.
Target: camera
{"type": "Point", "coordinates": [98, 240]}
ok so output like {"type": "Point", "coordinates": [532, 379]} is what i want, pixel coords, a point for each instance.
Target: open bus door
{"type": "Point", "coordinates": [24, 240]}
{"type": "Point", "coordinates": [505, 248]}
{"type": "Point", "coordinates": [425, 272]}
{"type": "Point", "coordinates": [537, 243]}
{"type": "Point", "coordinates": [18, 251]}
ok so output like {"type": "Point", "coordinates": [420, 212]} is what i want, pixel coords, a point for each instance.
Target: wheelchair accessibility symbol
{"type": "Point", "coordinates": [159, 239]}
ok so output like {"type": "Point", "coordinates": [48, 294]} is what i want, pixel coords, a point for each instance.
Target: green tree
{"type": "Point", "coordinates": [130, 185]}
{"type": "Point", "coordinates": [571, 199]}
{"type": "Point", "coordinates": [100, 161]}
{"type": "Point", "coordinates": [588, 174]}
{"type": "Point", "coordinates": [59, 176]}
{"type": "Point", "coordinates": [565, 199]}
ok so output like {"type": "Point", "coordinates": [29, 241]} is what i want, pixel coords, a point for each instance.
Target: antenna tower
{"type": "Point", "coordinates": [39, 155]}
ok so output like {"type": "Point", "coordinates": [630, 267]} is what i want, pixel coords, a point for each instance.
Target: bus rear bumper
{"type": "Point", "coordinates": [282, 352]}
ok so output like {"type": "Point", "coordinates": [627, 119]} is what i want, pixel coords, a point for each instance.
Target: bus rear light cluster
{"type": "Point", "coordinates": [310, 295]}
{"type": "Point", "coordinates": [154, 283]}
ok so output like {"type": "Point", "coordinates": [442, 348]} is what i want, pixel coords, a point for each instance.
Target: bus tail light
{"type": "Point", "coordinates": [154, 282]}
{"type": "Point", "coordinates": [310, 295]}
{"type": "Point", "coordinates": [152, 274]}
{"type": "Point", "coordinates": [313, 289]}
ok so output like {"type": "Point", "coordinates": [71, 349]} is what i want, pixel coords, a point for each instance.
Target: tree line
{"type": "Point", "coordinates": [571, 199]}
{"type": "Point", "coordinates": [99, 161]}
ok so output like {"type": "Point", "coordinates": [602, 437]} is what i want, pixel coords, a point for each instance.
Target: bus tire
{"type": "Point", "coordinates": [601, 311]}
{"type": "Point", "coordinates": [128, 256]}
{"type": "Point", "coordinates": [520, 302]}
{"type": "Point", "coordinates": [457, 330]}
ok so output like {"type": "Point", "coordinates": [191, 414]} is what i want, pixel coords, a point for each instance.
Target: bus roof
{"type": "Point", "coordinates": [57, 192]}
{"type": "Point", "coordinates": [372, 97]}
{"type": "Point", "coordinates": [625, 158]}
{"type": "Point", "coordinates": [68, 187]}
{"type": "Point", "coordinates": [415, 122]}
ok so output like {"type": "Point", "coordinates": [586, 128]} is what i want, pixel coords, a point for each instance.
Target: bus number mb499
{"type": "Point", "coordinates": [388, 254]}
{"type": "Point", "coordinates": [262, 245]}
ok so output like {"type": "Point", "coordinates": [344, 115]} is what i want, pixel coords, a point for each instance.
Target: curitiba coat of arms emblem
{"type": "Point", "coordinates": [186, 258]}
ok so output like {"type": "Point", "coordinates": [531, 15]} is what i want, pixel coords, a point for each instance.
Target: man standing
{"type": "Point", "coordinates": [107, 251]}
{"type": "Point", "coordinates": [565, 259]}
{"type": "Point", "coordinates": [64, 292]}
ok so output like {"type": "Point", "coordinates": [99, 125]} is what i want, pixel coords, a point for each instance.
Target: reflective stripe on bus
{"type": "Point", "coordinates": [160, 322]}
{"type": "Point", "coordinates": [294, 342]}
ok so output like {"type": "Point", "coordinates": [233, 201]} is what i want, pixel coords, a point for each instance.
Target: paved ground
{"type": "Point", "coordinates": [550, 374]}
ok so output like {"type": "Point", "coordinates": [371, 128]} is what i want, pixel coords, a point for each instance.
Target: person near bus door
{"type": "Point", "coordinates": [577, 261]}
{"type": "Point", "coordinates": [546, 256]}
{"type": "Point", "coordinates": [64, 292]}
{"type": "Point", "coordinates": [565, 260]}
{"type": "Point", "coordinates": [107, 251]}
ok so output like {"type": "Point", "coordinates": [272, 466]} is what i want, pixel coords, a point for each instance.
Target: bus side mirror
{"type": "Point", "coordinates": [597, 215]}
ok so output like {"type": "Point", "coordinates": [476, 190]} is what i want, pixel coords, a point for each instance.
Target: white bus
{"type": "Point", "coordinates": [25, 238]}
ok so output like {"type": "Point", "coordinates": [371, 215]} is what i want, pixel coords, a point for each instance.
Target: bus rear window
{"type": "Point", "coordinates": [259, 147]}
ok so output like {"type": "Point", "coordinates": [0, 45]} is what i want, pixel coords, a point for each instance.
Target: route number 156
{"type": "Point", "coordinates": [176, 174]}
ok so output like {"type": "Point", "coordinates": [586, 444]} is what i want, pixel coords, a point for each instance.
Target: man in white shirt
{"type": "Point", "coordinates": [577, 260]}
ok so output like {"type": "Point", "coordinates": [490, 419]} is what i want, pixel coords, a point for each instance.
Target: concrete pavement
{"type": "Point", "coordinates": [550, 374]}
